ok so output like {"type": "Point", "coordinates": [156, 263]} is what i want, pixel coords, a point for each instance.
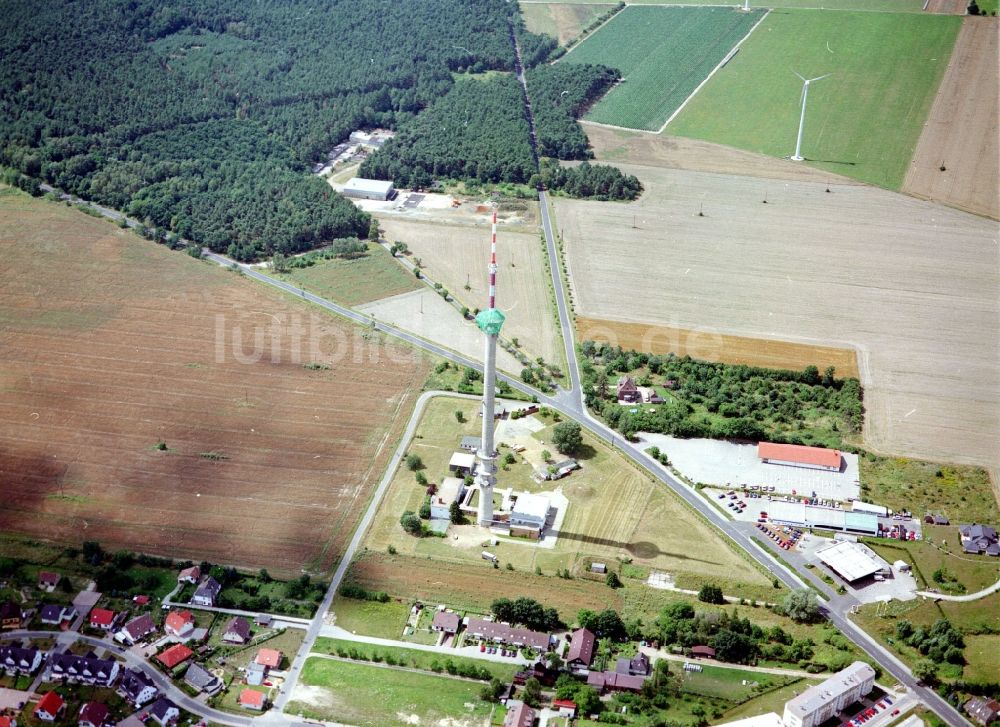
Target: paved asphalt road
{"type": "Point", "coordinates": [569, 402]}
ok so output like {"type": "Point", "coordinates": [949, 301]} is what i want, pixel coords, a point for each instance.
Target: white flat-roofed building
{"type": "Point", "coordinates": [361, 188]}
{"type": "Point", "coordinates": [529, 514]}
{"type": "Point", "coordinates": [801, 515]}
{"type": "Point", "coordinates": [821, 702]}
{"type": "Point", "coordinates": [852, 561]}
{"type": "Point", "coordinates": [462, 463]}
{"type": "Point", "coordinates": [449, 491]}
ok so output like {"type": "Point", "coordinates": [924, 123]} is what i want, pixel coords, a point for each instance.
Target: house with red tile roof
{"type": "Point", "coordinates": [190, 575]}
{"type": "Point", "coordinates": [49, 707]}
{"type": "Point", "coordinates": [47, 581]}
{"type": "Point", "coordinates": [581, 649]}
{"type": "Point", "coordinates": [94, 714]}
{"type": "Point", "coordinates": [176, 654]}
{"type": "Point", "coordinates": [252, 699]}
{"type": "Point", "coordinates": [102, 618]}
{"type": "Point", "coordinates": [271, 658]}
{"type": "Point", "coordinates": [565, 707]}
{"type": "Point", "coordinates": [611, 681]}
{"type": "Point", "coordinates": [179, 624]}
{"type": "Point", "coordinates": [519, 714]}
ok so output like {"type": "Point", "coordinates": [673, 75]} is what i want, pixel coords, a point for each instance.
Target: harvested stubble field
{"type": "Point", "coordinates": [113, 344]}
{"type": "Point", "coordinates": [712, 346]}
{"type": "Point", "coordinates": [962, 133]}
{"type": "Point", "coordinates": [863, 121]}
{"type": "Point", "coordinates": [455, 255]}
{"type": "Point", "coordinates": [910, 284]}
{"type": "Point", "coordinates": [562, 21]}
{"type": "Point", "coordinates": [663, 55]}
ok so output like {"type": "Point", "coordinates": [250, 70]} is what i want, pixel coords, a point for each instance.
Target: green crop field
{"type": "Point", "coordinates": [663, 54]}
{"type": "Point", "coordinates": [863, 121]}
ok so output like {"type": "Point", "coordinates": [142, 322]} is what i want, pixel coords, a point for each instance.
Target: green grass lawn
{"type": "Point", "coordinates": [357, 281]}
{"type": "Point", "coordinates": [663, 54]}
{"type": "Point", "coordinates": [770, 702]}
{"type": "Point", "coordinates": [410, 657]}
{"type": "Point", "coordinates": [714, 681]}
{"type": "Point", "coordinates": [370, 695]}
{"type": "Point", "coordinates": [384, 620]}
{"type": "Point", "coordinates": [863, 122]}
{"type": "Point", "coordinates": [960, 492]}
{"type": "Point", "coordinates": [981, 655]}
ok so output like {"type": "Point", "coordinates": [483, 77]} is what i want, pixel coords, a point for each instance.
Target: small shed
{"type": "Point", "coordinates": [598, 568]}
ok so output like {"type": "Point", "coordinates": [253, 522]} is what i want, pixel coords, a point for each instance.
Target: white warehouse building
{"type": "Point", "coordinates": [821, 702]}
{"type": "Point", "coordinates": [361, 188]}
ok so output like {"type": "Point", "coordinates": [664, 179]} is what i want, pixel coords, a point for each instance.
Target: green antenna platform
{"type": "Point", "coordinates": [490, 321]}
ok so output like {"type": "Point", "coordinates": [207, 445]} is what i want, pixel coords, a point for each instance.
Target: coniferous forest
{"type": "Point", "coordinates": [203, 117]}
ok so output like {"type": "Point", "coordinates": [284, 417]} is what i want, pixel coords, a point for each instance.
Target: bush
{"type": "Point", "coordinates": [414, 463]}
{"type": "Point", "coordinates": [711, 594]}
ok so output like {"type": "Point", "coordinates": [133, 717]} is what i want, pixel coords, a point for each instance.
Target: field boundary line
{"type": "Point", "coordinates": [729, 56]}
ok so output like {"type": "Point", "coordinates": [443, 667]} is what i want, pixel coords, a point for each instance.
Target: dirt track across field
{"type": "Point", "coordinates": [454, 254]}
{"type": "Point", "coordinates": [912, 285]}
{"type": "Point", "coordinates": [677, 152]}
{"type": "Point", "coordinates": [111, 344]}
{"type": "Point", "coordinates": [947, 7]}
{"type": "Point", "coordinates": [712, 346]}
{"type": "Point", "coordinates": [962, 132]}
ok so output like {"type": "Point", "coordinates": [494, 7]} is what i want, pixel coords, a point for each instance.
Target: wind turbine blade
{"type": "Point", "coordinates": [801, 77]}
{"type": "Point", "coordinates": [820, 78]}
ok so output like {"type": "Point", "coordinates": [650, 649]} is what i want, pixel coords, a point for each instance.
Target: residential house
{"type": "Point", "coordinates": [638, 665]}
{"type": "Point", "coordinates": [137, 687]}
{"type": "Point", "coordinates": [88, 669]}
{"type": "Point", "coordinates": [47, 581]}
{"type": "Point", "coordinates": [102, 618]}
{"type": "Point", "coordinates": [609, 681]}
{"type": "Point", "coordinates": [505, 634]}
{"type": "Point", "coordinates": [132, 721]}
{"type": "Point", "coordinates": [207, 592]}
{"type": "Point", "coordinates": [200, 678]}
{"type": "Point", "coordinates": [255, 673]}
{"type": "Point", "coordinates": [581, 649]}
{"type": "Point", "coordinates": [179, 624]}
{"type": "Point", "coordinates": [564, 707]}
{"type": "Point", "coordinates": [11, 616]}
{"type": "Point", "coordinates": [979, 539]}
{"type": "Point", "coordinates": [237, 631]}
{"type": "Point", "coordinates": [703, 651]}
{"type": "Point", "coordinates": [651, 395]}
{"type": "Point", "coordinates": [176, 654]}
{"type": "Point", "coordinates": [164, 711]}
{"type": "Point", "coordinates": [189, 575]}
{"type": "Point", "coordinates": [50, 707]}
{"type": "Point", "coordinates": [446, 622]}
{"type": "Point", "coordinates": [271, 658]}
{"type": "Point", "coordinates": [94, 714]}
{"type": "Point", "coordinates": [627, 391]}
{"type": "Point", "coordinates": [519, 714]}
{"type": "Point", "coordinates": [982, 711]}
{"type": "Point", "coordinates": [252, 699]}
{"type": "Point", "coordinates": [137, 629]}
{"type": "Point", "coordinates": [540, 671]}
{"type": "Point", "coordinates": [18, 660]}
{"type": "Point", "coordinates": [54, 615]}
{"type": "Point", "coordinates": [140, 600]}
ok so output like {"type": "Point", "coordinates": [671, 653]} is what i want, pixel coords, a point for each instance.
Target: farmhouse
{"type": "Point", "coordinates": [200, 678]}
{"type": "Point", "coordinates": [137, 687]}
{"type": "Point", "coordinates": [581, 649]}
{"type": "Point", "coordinates": [611, 681]}
{"type": "Point", "coordinates": [983, 711]}
{"type": "Point", "coordinates": [17, 660]}
{"type": "Point", "coordinates": [137, 629]}
{"type": "Point", "coordinates": [519, 714]}
{"type": "Point", "coordinates": [446, 622]}
{"type": "Point", "coordinates": [102, 618]}
{"type": "Point", "coordinates": [207, 592]}
{"type": "Point", "coordinates": [176, 654]}
{"type": "Point", "coordinates": [94, 714]}
{"type": "Point", "coordinates": [252, 699]}
{"type": "Point", "coordinates": [821, 702]}
{"type": "Point", "coordinates": [529, 515]}
{"type": "Point", "coordinates": [47, 581]}
{"type": "Point", "coordinates": [505, 634]}
{"type": "Point", "coordinates": [450, 491]}
{"type": "Point", "coordinates": [797, 455]}
{"type": "Point", "coordinates": [164, 711]}
{"type": "Point", "coordinates": [237, 631]}
{"type": "Point", "coordinates": [979, 539]}
{"type": "Point", "coordinates": [11, 616]}
{"type": "Point", "coordinates": [189, 575]}
{"type": "Point", "coordinates": [638, 665]}
{"type": "Point", "coordinates": [179, 624]}
{"type": "Point", "coordinates": [49, 707]}
{"type": "Point", "coordinates": [361, 188]}
{"type": "Point", "coordinates": [852, 561]}
{"type": "Point", "coordinates": [87, 669]}
{"type": "Point", "coordinates": [462, 463]}
{"type": "Point", "coordinates": [628, 392]}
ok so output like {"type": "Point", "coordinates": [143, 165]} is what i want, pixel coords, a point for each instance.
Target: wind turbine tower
{"type": "Point", "coordinates": [797, 156]}
{"type": "Point", "coordinates": [490, 321]}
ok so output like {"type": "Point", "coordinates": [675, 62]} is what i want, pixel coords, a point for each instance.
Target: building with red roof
{"type": "Point", "coordinates": [102, 618]}
{"type": "Point", "coordinates": [581, 649]}
{"type": "Point", "coordinates": [798, 455]}
{"type": "Point", "coordinates": [270, 658]}
{"type": "Point", "coordinates": [252, 699]}
{"type": "Point", "coordinates": [176, 654]}
{"type": "Point", "coordinates": [565, 707]}
{"type": "Point", "coordinates": [49, 707]}
{"type": "Point", "coordinates": [94, 714]}
{"type": "Point", "coordinates": [8, 722]}
{"type": "Point", "coordinates": [179, 623]}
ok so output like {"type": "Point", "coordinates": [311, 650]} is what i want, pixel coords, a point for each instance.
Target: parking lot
{"type": "Point", "coordinates": [725, 464]}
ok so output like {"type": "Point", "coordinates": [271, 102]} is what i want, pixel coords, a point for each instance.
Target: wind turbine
{"type": "Point", "coordinates": [797, 157]}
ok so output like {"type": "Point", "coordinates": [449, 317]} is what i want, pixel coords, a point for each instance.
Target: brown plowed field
{"type": "Point", "coordinates": [462, 586]}
{"type": "Point", "coordinates": [110, 344]}
{"type": "Point", "coordinates": [962, 130]}
{"type": "Point", "coordinates": [771, 353]}
{"type": "Point", "coordinates": [947, 7]}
